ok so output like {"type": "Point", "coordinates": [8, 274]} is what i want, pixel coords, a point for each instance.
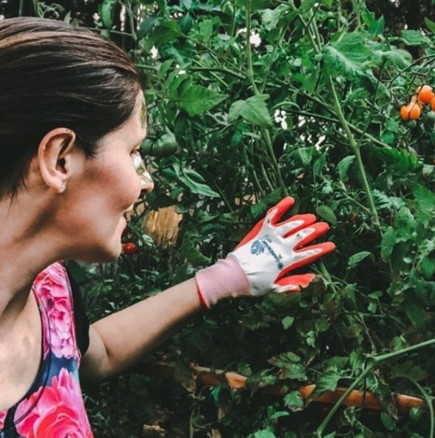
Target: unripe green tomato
{"type": "Point", "coordinates": [331, 24]}
{"type": "Point", "coordinates": [163, 147]}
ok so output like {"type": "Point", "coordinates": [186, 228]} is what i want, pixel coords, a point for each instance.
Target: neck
{"type": "Point", "coordinates": [28, 246]}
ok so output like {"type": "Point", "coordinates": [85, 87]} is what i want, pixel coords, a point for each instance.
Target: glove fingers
{"type": "Point", "coordinates": [275, 213]}
{"type": "Point", "coordinates": [295, 223]}
{"type": "Point", "coordinates": [294, 283]}
{"type": "Point", "coordinates": [308, 255]}
{"type": "Point", "coordinates": [307, 234]}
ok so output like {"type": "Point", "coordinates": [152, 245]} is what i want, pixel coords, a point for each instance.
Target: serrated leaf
{"type": "Point", "coordinates": [348, 56]}
{"type": "Point", "coordinates": [294, 401]}
{"type": "Point", "coordinates": [425, 201]}
{"type": "Point", "coordinates": [327, 382]}
{"type": "Point", "coordinates": [253, 110]}
{"type": "Point", "coordinates": [196, 99]}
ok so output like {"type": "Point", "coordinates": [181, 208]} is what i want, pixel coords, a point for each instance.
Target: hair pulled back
{"type": "Point", "coordinates": [56, 75]}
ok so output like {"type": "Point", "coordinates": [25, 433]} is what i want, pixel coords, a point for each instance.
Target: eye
{"type": "Point", "coordinates": [138, 162]}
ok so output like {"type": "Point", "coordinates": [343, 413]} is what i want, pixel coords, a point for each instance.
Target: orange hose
{"type": "Point", "coordinates": [210, 377]}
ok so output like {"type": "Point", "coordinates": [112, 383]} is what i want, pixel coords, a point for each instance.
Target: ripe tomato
{"type": "Point", "coordinates": [425, 93]}
{"type": "Point", "coordinates": [129, 248]}
{"type": "Point", "coordinates": [432, 104]}
{"type": "Point", "coordinates": [411, 111]}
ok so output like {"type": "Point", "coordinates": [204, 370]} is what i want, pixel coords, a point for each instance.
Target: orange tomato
{"type": "Point", "coordinates": [425, 93]}
{"type": "Point", "coordinates": [432, 104]}
{"type": "Point", "coordinates": [412, 111]}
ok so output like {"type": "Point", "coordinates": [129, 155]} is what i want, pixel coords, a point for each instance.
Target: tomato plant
{"type": "Point", "coordinates": [263, 99]}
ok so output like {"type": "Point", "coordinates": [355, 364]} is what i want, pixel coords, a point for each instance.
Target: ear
{"type": "Point", "coordinates": [55, 158]}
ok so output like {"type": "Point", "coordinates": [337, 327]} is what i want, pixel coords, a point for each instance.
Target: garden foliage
{"type": "Point", "coordinates": [250, 101]}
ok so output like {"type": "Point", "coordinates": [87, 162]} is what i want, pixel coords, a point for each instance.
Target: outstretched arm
{"type": "Point", "coordinates": [264, 262]}
{"type": "Point", "coordinates": [121, 339]}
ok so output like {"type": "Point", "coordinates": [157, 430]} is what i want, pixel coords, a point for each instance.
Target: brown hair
{"type": "Point", "coordinates": [56, 75]}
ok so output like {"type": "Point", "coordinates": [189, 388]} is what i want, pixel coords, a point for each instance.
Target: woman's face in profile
{"type": "Point", "coordinates": [107, 189]}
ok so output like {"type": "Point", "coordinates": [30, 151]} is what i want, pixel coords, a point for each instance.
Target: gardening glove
{"type": "Point", "coordinates": [261, 261]}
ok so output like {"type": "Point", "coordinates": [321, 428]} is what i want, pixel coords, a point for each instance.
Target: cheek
{"type": "Point", "coordinates": [129, 186]}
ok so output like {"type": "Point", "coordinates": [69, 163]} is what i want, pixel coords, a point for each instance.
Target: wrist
{"type": "Point", "coordinates": [224, 279]}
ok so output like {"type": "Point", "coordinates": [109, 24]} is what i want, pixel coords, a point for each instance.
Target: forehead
{"type": "Point", "coordinates": [133, 131]}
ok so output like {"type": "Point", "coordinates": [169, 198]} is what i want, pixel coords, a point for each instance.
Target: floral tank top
{"type": "Point", "coordinates": [54, 406]}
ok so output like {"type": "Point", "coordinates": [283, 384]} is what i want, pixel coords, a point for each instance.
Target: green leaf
{"type": "Point", "coordinates": [263, 434]}
{"type": "Point", "coordinates": [194, 181]}
{"type": "Point", "coordinates": [388, 242]}
{"type": "Point", "coordinates": [427, 267]}
{"type": "Point", "coordinates": [388, 421]}
{"type": "Point", "coordinates": [398, 57]}
{"type": "Point", "coordinates": [291, 366]}
{"type": "Point", "coordinates": [205, 30]}
{"type": "Point", "coordinates": [294, 401]}
{"type": "Point", "coordinates": [271, 17]}
{"type": "Point", "coordinates": [357, 258]}
{"type": "Point", "coordinates": [430, 24]}
{"type": "Point", "coordinates": [106, 10]}
{"type": "Point", "coordinates": [343, 166]}
{"type": "Point", "coordinates": [377, 27]}
{"type": "Point", "coordinates": [191, 252]}
{"type": "Point", "coordinates": [253, 110]}
{"type": "Point", "coordinates": [415, 311]}
{"type": "Point", "coordinates": [327, 382]}
{"type": "Point", "coordinates": [196, 99]}
{"type": "Point", "coordinates": [348, 56]}
{"type": "Point", "coordinates": [405, 224]}
{"type": "Point", "coordinates": [327, 214]}
{"type": "Point", "coordinates": [287, 322]}
{"type": "Point", "coordinates": [306, 155]}
{"type": "Point", "coordinates": [147, 26]}
{"type": "Point", "coordinates": [413, 37]}
{"type": "Point", "coordinates": [410, 370]}
{"type": "Point", "coordinates": [425, 201]}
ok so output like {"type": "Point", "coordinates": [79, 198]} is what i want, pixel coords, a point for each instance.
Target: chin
{"type": "Point", "coordinates": [102, 254]}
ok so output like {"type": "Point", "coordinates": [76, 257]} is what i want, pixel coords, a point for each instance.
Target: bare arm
{"type": "Point", "coordinates": [120, 340]}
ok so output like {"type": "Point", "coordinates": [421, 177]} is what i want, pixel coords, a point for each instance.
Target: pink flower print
{"type": "Point", "coordinates": [53, 291]}
{"type": "Point", "coordinates": [57, 411]}
{"type": "Point", "coordinates": [2, 419]}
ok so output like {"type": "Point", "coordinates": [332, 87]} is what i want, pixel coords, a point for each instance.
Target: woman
{"type": "Point", "coordinates": [71, 124]}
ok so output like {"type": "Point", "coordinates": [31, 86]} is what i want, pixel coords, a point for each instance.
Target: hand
{"type": "Point", "coordinates": [272, 249]}
{"type": "Point", "coordinates": [261, 261]}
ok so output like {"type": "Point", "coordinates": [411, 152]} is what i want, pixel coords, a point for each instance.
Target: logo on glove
{"type": "Point", "coordinates": [259, 246]}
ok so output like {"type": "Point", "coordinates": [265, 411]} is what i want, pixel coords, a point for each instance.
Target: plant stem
{"type": "Point", "coordinates": [250, 75]}
{"type": "Point", "coordinates": [356, 150]}
{"type": "Point", "coordinates": [375, 360]}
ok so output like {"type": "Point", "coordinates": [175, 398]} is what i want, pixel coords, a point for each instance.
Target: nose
{"type": "Point", "coordinates": [146, 182]}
